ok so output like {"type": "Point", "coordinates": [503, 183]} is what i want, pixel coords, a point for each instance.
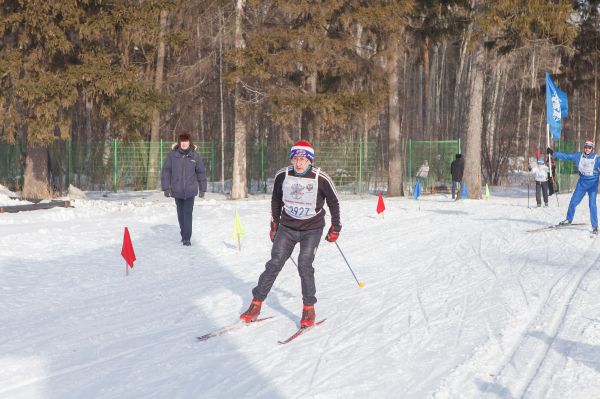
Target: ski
{"type": "Point", "coordinates": [234, 327]}
{"type": "Point", "coordinates": [301, 331]}
{"type": "Point", "coordinates": [554, 227]}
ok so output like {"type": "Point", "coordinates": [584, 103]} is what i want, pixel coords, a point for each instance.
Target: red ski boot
{"type": "Point", "coordinates": [252, 313]}
{"type": "Point", "coordinates": [308, 316]}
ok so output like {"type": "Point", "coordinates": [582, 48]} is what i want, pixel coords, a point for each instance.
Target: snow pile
{"type": "Point", "coordinates": [76, 193]}
{"type": "Point", "coordinates": [6, 197]}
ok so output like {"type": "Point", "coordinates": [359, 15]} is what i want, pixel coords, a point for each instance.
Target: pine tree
{"type": "Point", "coordinates": [56, 52]}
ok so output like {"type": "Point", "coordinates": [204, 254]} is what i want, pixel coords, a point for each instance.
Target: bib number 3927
{"type": "Point", "coordinates": [297, 210]}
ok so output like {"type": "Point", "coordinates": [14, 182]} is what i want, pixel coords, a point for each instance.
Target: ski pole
{"type": "Point", "coordinates": [528, 181]}
{"type": "Point", "coordinates": [555, 192]}
{"type": "Point", "coordinates": [359, 283]}
{"type": "Point", "coordinates": [294, 262]}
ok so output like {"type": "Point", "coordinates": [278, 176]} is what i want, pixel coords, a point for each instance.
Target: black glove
{"type": "Point", "coordinates": [273, 231]}
{"type": "Point", "coordinates": [167, 193]}
{"type": "Point", "coordinates": [200, 194]}
{"type": "Point", "coordinates": [549, 151]}
{"type": "Point", "coordinates": [333, 233]}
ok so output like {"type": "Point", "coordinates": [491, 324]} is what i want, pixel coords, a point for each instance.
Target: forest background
{"type": "Point", "coordinates": [249, 71]}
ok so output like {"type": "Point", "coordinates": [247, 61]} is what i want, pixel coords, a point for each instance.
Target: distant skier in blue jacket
{"type": "Point", "coordinates": [587, 163]}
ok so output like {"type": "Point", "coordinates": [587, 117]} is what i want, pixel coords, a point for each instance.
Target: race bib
{"type": "Point", "coordinates": [300, 196]}
{"type": "Point", "coordinates": [586, 166]}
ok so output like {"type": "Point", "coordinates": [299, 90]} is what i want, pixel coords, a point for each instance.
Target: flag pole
{"type": "Point", "coordinates": [126, 270]}
{"type": "Point", "coordinates": [550, 164]}
{"type": "Point", "coordinates": [548, 146]}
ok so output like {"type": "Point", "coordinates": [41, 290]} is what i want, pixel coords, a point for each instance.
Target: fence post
{"type": "Point", "coordinates": [263, 183]}
{"type": "Point", "coordinates": [115, 166]}
{"type": "Point", "coordinates": [22, 148]}
{"type": "Point", "coordinates": [360, 160]}
{"type": "Point", "coordinates": [212, 164]}
{"type": "Point", "coordinates": [161, 154]}
{"type": "Point", "coordinates": [558, 166]}
{"type": "Point", "coordinates": [410, 163]}
{"type": "Point", "coordinates": [69, 161]}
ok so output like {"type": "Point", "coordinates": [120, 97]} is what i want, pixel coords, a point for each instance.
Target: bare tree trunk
{"type": "Point", "coordinates": [472, 173]}
{"type": "Point", "coordinates": [498, 156]}
{"type": "Point", "coordinates": [222, 119]}
{"type": "Point", "coordinates": [365, 147]}
{"type": "Point", "coordinates": [529, 112]}
{"type": "Point", "coordinates": [578, 121]}
{"type": "Point", "coordinates": [201, 122]}
{"type": "Point", "coordinates": [36, 184]}
{"type": "Point", "coordinates": [518, 134]}
{"type": "Point", "coordinates": [456, 123]}
{"type": "Point", "coordinates": [154, 152]}
{"type": "Point", "coordinates": [425, 117]}
{"type": "Point", "coordinates": [440, 95]}
{"type": "Point", "coordinates": [107, 153]}
{"type": "Point", "coordinates": [394, 150]}
{"type": "Point", "coordinates": [491, 130]}
{"type": "Point", "coordinates": [239, 180]}
{"type": "Point", "coordinates": [595, 101]}
{"type": "Point", "coordinates": [89, 136]}
{"type": "Point", "coordinates": [310, 119]}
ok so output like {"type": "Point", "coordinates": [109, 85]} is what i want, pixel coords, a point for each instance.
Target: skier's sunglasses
{"type": "Point", "coordinates": [588, 146]}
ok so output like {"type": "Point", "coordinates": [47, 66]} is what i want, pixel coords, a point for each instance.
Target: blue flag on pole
{"type": "Point", "coordinates": [556, 107]}
{"type": "Point", "coordinates": [417, 190]}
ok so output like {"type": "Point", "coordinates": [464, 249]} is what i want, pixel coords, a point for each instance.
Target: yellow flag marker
{"type": "Point", "coordinates": [238, 230]}
{"type": "Point", "coordinates": [487, 192]}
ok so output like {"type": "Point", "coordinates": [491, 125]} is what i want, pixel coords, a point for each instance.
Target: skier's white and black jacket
{"type": "Point", "coordinates": [326, 194]}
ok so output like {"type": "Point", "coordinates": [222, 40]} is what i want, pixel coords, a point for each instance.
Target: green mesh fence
{"type": "Point", "coordinates": [11, 165]}
{"type": "Point", "coordinates": [351, 165]}
{"type": "Point", "coordinates": [115, 165]}
{"type": "Point", "coordinates": [439, 155]}
{"type": "Point", "coordinates": [567, 173]}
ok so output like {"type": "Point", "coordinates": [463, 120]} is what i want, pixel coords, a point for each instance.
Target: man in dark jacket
{"type": "Point", "coordinates": [456, 169]}
{"type": "Point", "coordinates": [183, 177]}
{"type": "Point", "coordinates": [297, 216]}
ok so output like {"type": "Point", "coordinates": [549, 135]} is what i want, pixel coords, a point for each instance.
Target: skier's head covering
{"type": "Point", "coordinates": [541, 161]}
{"type": "Point", "coordinates": [458, 156]}
{"type": "Point", "coordinates": [589, 143]}
{"type": "Point", "coordinates": [184, 136]}
{"type": "Point", "coordinates": [303, 149]}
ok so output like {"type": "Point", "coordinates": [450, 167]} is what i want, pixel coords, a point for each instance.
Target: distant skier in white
{"type": "Point", "coordinates": [540, 175]}
{"type": "Point", "coordinates": [423, 172]}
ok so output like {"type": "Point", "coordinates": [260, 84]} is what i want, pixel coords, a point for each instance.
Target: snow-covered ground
{"type": "Point", "coordinates": [459, 302]}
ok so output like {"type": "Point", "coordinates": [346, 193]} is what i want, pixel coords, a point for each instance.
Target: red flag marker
{"type": "Point", "coordinates": [127, 251]}
{"type": "Point", "coordinates": [380, 204]}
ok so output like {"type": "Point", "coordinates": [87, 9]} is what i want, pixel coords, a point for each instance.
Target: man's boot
{"type": "Point", "coordinates": [252, 313]}
{"type": "Point", "coordinates": [308, 316]}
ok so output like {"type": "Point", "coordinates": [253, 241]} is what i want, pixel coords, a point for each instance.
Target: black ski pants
{"type": "Point", "coordinates": [185, 207]}
{"type": "Point", "coordinates": [283, 245]}
{"type": "Point", "coordinates": [541, 188]}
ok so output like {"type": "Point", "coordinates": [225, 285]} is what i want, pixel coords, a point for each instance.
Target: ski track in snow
{"type": "Point", "coordinates": [527, 364]}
